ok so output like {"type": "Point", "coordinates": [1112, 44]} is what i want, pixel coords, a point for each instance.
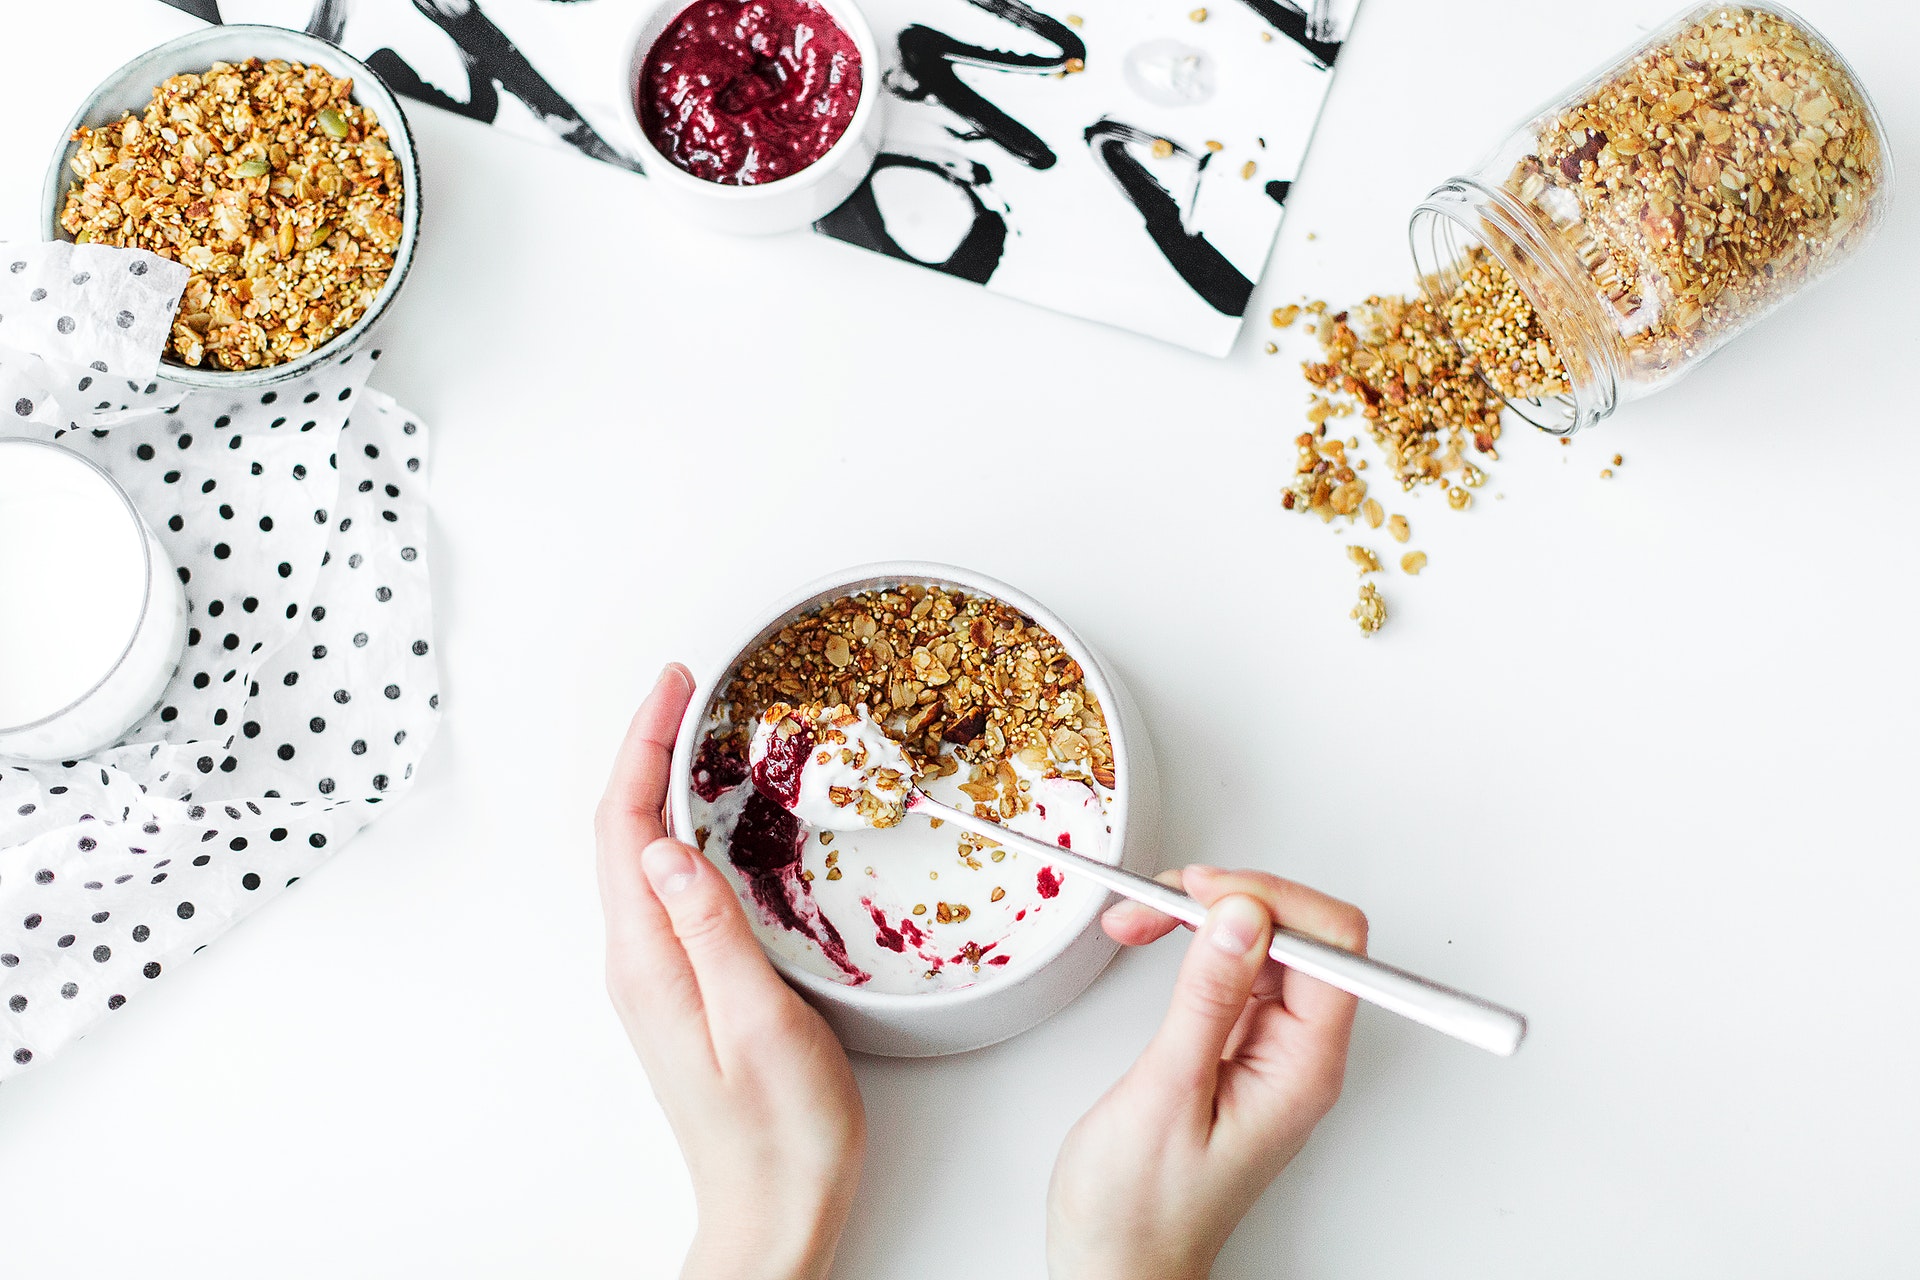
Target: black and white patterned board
{"type": "Point", "coordinates": [996, 168]}
{"type": "Point", "coordinates": [308, 692]}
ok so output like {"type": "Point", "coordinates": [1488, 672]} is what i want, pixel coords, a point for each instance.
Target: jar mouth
{"type": "Point", "coordinates": [1462, 216]}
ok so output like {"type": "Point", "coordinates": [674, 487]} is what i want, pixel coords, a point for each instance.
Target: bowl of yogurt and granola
{"type": "Point", "coordinates": [793, 764]}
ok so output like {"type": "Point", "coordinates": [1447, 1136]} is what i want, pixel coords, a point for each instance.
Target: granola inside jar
{"type": "Point", "coordinates": [1692, 185]}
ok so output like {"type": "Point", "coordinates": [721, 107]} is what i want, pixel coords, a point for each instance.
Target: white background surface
{"type": "Point", "coordinates": [1634, 756]}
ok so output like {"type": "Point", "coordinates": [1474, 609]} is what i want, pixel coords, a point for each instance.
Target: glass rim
{"type": "Point", "coordinates": [146, 579]}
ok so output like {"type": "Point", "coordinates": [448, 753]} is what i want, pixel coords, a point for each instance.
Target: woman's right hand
{"type": "Point", "coordinates": [1152, 1181]}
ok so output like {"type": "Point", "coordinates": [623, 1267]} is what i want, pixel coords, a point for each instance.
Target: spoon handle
{"type": "Point", "coordinates": [1465, 1017]}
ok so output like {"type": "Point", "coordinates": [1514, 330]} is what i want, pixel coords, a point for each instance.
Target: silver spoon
{"type": "Point", "coordinates": [862, 767]}
{"type": "Point", "coordinates": [1455, 1013]}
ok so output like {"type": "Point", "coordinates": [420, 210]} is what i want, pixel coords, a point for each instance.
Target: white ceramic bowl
{"type": "Point", "coordinates": [131, 89]}
{"type": "Point", "coordinates": [1041, 981]}
{"type": "Point", "coordinates": [784, 204]}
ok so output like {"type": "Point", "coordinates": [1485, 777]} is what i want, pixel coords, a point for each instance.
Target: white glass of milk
{"type": "Point", "coordinates": [92, 616]}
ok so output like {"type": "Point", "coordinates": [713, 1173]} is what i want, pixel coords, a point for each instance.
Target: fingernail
{"type": "Point", "coordinates": [678, 674]}
{"type": "Point", "coordinates": [668, 865]}
{"type": "Point", "coordinates": [1236, 923]}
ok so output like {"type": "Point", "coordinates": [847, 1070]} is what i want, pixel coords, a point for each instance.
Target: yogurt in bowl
{"type": "Point", "coordinates": [813, 834]}
{"type": "Point", "coordinates": [912, 938]}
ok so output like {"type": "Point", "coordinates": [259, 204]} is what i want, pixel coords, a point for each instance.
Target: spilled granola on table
{"type": "Point", "coordinates": [1428, 382]}
{"type": "Point", "coordinates": [1671, 199]}
{"type": "Point", "coordinates": [270, 184]}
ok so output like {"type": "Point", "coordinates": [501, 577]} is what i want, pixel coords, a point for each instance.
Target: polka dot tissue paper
{"type": "Point", "coordinates": [307, 693]}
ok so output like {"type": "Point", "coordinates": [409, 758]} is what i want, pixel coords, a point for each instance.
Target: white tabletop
{"type": "Point", "coordinates": [1630, 755]}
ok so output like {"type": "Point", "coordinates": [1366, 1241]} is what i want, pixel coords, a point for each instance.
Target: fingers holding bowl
{"type": "Point", "coordinates": [648, 975]}
{"type": "Point", "coordinates": [630, 814]}
{"type": "Point", "coordinates": [736, 987]}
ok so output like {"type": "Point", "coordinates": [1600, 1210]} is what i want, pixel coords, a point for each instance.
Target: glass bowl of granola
{"type": "Point", "coordinates": [276, 168]}
{"type": "Point", "coordinates": [911, 939]}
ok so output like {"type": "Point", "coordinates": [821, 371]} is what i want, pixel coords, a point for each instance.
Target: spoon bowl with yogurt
{"type": "Point", "coordinates": [834, 767]}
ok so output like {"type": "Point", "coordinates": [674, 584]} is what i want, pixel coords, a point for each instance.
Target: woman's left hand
{"type": "Point", "coordinates": [756, 1087]}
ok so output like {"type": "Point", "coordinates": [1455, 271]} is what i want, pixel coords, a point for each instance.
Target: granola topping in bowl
{"type": "Point", "coordinates": [270, 184]}
{"type": "Point", "coordinates": [829, 766]}
{"type": "Point", "coordinates": [968, 699]}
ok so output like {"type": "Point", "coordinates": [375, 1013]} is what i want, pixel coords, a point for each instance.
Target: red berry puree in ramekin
{"type": "Point", "coordinates": [748, 93]}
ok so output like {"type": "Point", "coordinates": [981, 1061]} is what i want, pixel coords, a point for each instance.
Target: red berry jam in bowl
{"type": "Point", "coordinates": [748, 93]}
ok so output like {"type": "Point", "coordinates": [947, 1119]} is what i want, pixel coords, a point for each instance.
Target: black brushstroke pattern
{"type": "Point", "coordinates": [494, 64]}
{"type": "Point", "coordinates": [1291, 21]}
{"type": "Point", "coordinates": [1277, 190]}
{"type": "Point", "coordinates": [205, 10]}
{"type": "Point", "coordinates": [928, 71]}
{"type": "Point", "coordinates": [859, 222]}
{"type": "Point", "coordinates": [1205, 269]}
{"type": "Point", "coordinates": [328, 21]}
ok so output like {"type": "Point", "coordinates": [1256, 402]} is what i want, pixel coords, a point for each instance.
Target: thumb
{"type": "Point", "coordinates": [732, 974]}
{"type": "Point", "coordinates": [1216, 980]}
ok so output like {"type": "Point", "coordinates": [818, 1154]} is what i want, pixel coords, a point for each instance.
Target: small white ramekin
{"type": "Point", "coordinates": [766, 208]}
{"type": "Point", "coordinates": [1038, 983]}
{"type": "Point", "coordinates": [131, 89]}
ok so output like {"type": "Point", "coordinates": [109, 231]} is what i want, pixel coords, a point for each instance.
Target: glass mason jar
{"type": "Point", "coordinates": [1689, 187]}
